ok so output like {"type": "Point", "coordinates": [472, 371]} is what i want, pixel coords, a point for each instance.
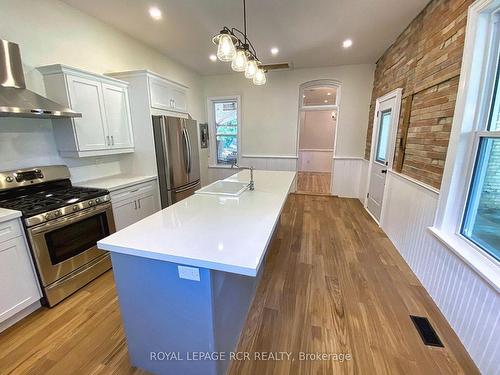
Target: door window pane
{"type": "Point", "coordinates": [482, 217]}
{"type": "Point", "coordinates": [383, 136]}
{"type": "Point", "coordinates": [226, 129]}
{"type": "Point", "coordinates": [319, 96]}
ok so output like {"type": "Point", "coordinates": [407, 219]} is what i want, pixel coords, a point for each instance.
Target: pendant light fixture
{"type": "Point", "coordinates": [251, 69]}
{"type": "Point", "coordinates": [240, 60]}
{"type": "Point", "coordinates": [260, 77]}
{"type": "Point", "coordinates": [240, 51]}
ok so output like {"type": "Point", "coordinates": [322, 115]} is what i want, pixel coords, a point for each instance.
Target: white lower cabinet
{"type": "Point", "coordinates": [19, 287]}
{"type": "Point", "coordinates": [134, 203]}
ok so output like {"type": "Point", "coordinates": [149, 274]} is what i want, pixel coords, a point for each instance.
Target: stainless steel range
{"type": "Point", "coordinates": [63, 224]}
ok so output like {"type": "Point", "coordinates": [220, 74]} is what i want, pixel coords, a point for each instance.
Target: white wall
{"type": "Point", "coordinates": [270, 112]}
{"type": "Point", "coordinates": [50, 32]}
{"type": "Point", "coordinates": [467, 301]}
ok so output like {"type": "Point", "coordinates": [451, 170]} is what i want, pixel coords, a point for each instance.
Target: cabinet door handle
{"type": "Point", "coordinates": [135, 205]}
{"type": "Point", "coordinates": [107, 140]}
{"type": "Point", "coordinates": [112, 141]}
{"type": "Point", "coordinates": [139, 202]}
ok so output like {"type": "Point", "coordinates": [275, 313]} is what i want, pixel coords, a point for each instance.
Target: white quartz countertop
{"type": "Point", "coordinates": [115, 182]}
{"type": "Point", "coordinates": [6, 214]}
{"type": "Point", "coordinates": [208, 231]}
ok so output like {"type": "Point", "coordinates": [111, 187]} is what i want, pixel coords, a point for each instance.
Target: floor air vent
{"type": "Point", "coordinates": [427, 333]}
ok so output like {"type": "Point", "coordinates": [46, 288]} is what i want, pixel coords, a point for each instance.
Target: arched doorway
{"type": "Point", "coordinates": [316, 135]}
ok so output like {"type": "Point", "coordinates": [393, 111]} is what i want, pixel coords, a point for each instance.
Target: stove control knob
{"type": "Point", "coordinates": [91, 203]}
{"type": "Point", "coordinates": [98, 200]}
{"type": "Point", "coordinates": [75, 208]}
{"type": "Point", "coordinates": [57, 213]}
{"type": "Point", "coordinates": [48, 216]}
{"type": "Point", "coordinates": [9, 179]}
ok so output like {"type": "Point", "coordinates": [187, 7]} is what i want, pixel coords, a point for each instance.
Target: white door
{"type": "Point", "coordinates": [160, 94]}
{"type": "Point", "coordinates": [18, 283]}
{"type": "Point", "coordinates": [117, 111]}
{"type": "Point", "coordinates": [125, 213]}
{"type": "Point", "coordinates": [382, 153]}
{"type": "Point", "coordinates": [147, 205]}
{"type": "Point", "coordinates": [86, 98]}
{"type": "Point", "coordinates": [179, 99]}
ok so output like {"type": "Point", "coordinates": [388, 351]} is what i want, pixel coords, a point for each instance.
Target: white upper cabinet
{"type": "Point", "coordinates": [167, 95]}
{"type": "Point", "coordinates": [105, 127]}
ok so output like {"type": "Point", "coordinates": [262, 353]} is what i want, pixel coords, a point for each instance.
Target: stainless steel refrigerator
{"type": "Point", "coordinates": [177, 158]}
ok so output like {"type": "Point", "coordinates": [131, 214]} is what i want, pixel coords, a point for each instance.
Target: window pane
{"type": "Point", "coordinates": [320, 96]}
{"type": "Point", "coordinates": [226, 126]}
{"type": "Point", "coordinates": [227, 149]}
{"type": "Point", "coordinates": [227, 130]}
{"type": "Point", "coordinates": [482, 217]}
{"type": "Point", "coordinates": [383, 136]}
{"type": "Point", "coordinates": [494, 120]}
{"type": "Point", "coordinates": [226, 113]}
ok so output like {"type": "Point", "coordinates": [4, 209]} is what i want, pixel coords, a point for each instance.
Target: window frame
{"type": "Point", "coordinates": [213, 163]}
{"type": "Point", "coordinates": [469, 127]}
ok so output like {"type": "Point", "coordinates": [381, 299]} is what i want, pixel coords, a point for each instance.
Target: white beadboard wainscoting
{"type": "Point", "coordinates": [469, 303]}
{"type": "Point", "coordinates": [263, 162]}
{"type": "Point", "coordinates": [315, 160]}
{"type": "Point", "coordinates": [347, 176]}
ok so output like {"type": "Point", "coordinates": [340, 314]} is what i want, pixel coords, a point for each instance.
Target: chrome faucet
{"type": "Point", "coordinates": [251, 185]}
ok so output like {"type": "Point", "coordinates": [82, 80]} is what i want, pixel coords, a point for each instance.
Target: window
{"type": "Point", "coordinates": [467, 219]}
{"type": "Point", "coordinates": [226, 128]}
{"type": "Point", "coordinates": [383, 136]}
{"type": "Point", "coordinates": [481, 223]}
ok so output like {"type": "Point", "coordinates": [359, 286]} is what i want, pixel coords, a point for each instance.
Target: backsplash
{"type": "Point", "coordinates": [30, 142]}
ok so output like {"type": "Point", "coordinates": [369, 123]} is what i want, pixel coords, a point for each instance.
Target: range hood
{"type": "Point", "coordinates": [15, 99]}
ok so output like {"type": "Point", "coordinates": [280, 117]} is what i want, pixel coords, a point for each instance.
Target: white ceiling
{"type": "Point", "coordinates": [308, 33]}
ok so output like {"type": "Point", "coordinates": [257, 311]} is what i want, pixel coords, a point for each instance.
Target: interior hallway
{"type": "Point", "coordinates": [314, 183]}
{"type": "Point", "coordinates": [333, 283]}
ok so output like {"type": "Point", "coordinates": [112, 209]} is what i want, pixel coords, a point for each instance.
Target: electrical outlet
{"type": "Point", "coordinates": [189, 273]}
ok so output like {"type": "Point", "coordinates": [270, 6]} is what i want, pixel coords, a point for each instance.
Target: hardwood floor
{"type": "Point", "coordinates": [333, 283]}
{"type": "Point", "coordinates": [313, 183]}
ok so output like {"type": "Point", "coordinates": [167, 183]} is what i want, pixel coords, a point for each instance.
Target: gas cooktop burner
{"type": "Point", "coordinates": [49, 199]}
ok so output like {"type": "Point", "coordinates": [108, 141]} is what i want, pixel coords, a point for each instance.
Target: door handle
{"type": "Point", "coordinates": [107, 140]}
{"type": "Point", "coordinates": [384, 171]}
{"type": "Point", "coordinates": [186, 145]}
{"type": "Point", "coordinates": [189, 151]}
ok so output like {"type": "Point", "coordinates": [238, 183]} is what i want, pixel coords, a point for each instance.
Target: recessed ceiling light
{"type": "Point", "coordinates": [328, 93]}
{"type": "Point", "coordinates": [155, 13]}
{"type": "Point", "coordinates": [212, 57]}
{"type": "Point", "coordinates": [347, 43]}
{"type": "Point", "coordinates": [326, 101]}
{"type": "Point", "coordinates": [274, 50]}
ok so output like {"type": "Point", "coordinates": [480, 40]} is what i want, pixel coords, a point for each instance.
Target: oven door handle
{"type": "Point", "coordinates": [63, 221]}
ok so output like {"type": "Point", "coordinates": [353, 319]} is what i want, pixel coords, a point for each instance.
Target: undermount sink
{"type": "Point", "coordinates": [226, 188]}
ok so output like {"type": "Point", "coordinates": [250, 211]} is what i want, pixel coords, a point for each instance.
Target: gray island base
{"type": "Point", "coordinates": [172, 324]}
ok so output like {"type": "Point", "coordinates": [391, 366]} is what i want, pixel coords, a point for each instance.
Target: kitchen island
{"type": "Point", "coordinates": [186, 276]}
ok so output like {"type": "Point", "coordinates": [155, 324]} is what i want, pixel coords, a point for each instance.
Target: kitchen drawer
{"type": "Point", "coordinates": [133, 191]}
{"type": "Point", "coordinates": [10, 229]}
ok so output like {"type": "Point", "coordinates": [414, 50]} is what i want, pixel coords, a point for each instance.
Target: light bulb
{"type": "Point", "coordinates": [259, 78]}
{"type": "Point", "coordinates": [226, 50]}
{"type": "Point", "coordinates": [239, 63]}
{"type": "Point", "coordinates": [251, 69]}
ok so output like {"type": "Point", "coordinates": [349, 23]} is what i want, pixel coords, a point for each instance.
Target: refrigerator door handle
{"type": "Point", "coordinates": [190, 153]}
{"type": "Point", "coordinates": [186, 150]}
{"type": "Point", "coordinates": [188, 187]}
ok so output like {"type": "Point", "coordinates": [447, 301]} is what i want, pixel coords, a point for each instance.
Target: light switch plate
{"type": "Point", "coordinates": [189, 273]}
